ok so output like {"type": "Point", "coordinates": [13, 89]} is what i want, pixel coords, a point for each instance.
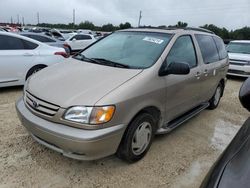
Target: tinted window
{"type": "Point", "coordinates": [82, 37]}
{"type": "Point", "coordinates": [208, 48]}
{"type": "Point", "coordinates": [183, 51]}
{"type": "Point", "coordinates": [40, 38]}
{"type": "Point", "coordinates": [221, 47]}
{"type": "Point", "coordinates": [13, 43]}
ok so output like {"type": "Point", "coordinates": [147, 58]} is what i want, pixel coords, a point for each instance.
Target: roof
{"type": "Point", "coordinates": [172, 30]}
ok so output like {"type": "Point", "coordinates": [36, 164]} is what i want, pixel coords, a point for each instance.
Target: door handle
{"type": "Point", "coordinates": [206, 72]}
{"type": "Point", "coordinates": [27, 54]}
{"type": "Point", "coordinates": [198, 75]}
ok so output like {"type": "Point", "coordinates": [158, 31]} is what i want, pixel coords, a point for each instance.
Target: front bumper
{"type": "Point", "coordinates": [239, 70]}
{"type": "Point", "coordinates": [71, 142]}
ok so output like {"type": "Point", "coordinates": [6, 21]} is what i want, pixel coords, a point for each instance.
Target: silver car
{"type": "Point", "coordinates": [113, 97]}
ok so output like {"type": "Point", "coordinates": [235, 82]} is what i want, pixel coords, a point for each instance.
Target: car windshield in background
{"type": "Point", "coordinates": [138, 50]}
{"type": "Point", "coordinates": [243, 48]}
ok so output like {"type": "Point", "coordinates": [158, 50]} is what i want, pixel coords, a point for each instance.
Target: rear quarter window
{"type": "Point", "coordinates": [221, 47]}
{"type": "Point", "coordinates": [208, 48]}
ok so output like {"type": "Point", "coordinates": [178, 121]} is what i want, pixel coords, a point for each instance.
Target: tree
{"type": "Point", "coordinates": [86, 25]}
{"type": "Point", "coordinates": [109, 27]}
{"type": "Point", "coordinates": [127, 25]}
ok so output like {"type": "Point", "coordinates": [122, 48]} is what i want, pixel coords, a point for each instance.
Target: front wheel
{"type": "Point", "coordinates": [215, 100]}
{"type": "Point", "coordinates": [137, 138]}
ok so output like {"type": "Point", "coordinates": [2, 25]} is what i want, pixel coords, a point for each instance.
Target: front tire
{"type": "Point", "coordinates": [137, 138]}
{"type": "Point", "coordinates": [215, 100]}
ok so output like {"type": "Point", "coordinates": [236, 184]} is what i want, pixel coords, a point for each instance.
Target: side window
{"type": "Point", "coordinates": [208, 48]}
{"type": "Point", "coordinates": [29, 45]}
{"type": "Point", "coordinates": [183, 51]}
{"type": "Point", "coordinates": [84, 37]}
{"type": "Point", "coordinates": [13, 43]}
{"type": "Point", "coordinates": [221, 47]}
{"type": "Point", "coordinates": [41, 38]}
{"type": "Point", "coordinates": [10, 43]}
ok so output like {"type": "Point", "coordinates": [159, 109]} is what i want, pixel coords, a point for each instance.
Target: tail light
{"type": "Point", "coordinates": [66, 45]}
{"type": "Point", "coordinates": [64, 54]}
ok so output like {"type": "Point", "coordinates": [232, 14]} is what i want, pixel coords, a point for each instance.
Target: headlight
{"type": "Point", "coordinates": [90, 115]}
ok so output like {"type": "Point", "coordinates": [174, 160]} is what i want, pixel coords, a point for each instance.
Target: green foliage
{"type": "Point", "coordinates": [239, 34]}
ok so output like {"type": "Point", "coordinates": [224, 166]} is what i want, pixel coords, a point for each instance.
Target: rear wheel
{"type": "Point", "coordinates": [214, 102]}
{"type": "Point", "coordinates": [137, 138]}
{"type": "Point", "coordinates": [34, 70]}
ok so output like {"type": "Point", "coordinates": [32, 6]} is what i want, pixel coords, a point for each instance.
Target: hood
{"type": "Point", "coordinates": [76, 82]}
{"type": "Point", "coordinates": [238, 56]}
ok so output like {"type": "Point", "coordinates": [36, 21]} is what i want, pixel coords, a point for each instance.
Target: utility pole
{"type": "Point", "coordinates": [23, 20]}
{"type": "Point", "coordinates": [140, 16]}
{"type": "Point", "coordinates": [11, 20]}
{"type": "Point", "coordinates": [18, 19]}
{"type": "Point", "coordinates": [74, 17]}
{"type": "Point", "coordinates": [38, 18]}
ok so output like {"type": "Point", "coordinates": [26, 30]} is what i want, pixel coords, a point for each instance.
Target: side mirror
{"type": "Point", "coordinates": [175, 68]}
{"type": "Point", "coordinates": [244, 94]}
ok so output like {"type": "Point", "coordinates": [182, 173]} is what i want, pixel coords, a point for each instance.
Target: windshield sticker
{"type": "Point", "coordinates": [153, 40]}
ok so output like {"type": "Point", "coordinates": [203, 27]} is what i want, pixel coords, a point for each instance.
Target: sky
{"type": "Point", "coordinates": [231, 14]}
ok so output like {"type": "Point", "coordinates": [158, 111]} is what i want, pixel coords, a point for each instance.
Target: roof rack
{"type": "Point", "coordinates": [183, 28]}
{"type": "Point", "coordinates": [198, 29]}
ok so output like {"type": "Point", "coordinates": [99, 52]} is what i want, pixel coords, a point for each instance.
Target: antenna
{"type": "Point", "coordinates": [140, 17]}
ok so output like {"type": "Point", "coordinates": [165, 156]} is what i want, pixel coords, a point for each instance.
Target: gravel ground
{"type": "Point", "coordinates": [179, 159]}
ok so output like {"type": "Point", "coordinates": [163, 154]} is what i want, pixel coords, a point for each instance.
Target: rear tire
{"type": "Point", "coordinates": [215, 100]}
{"type": "Point", "coordinates": [34, 70]}
{"type": "Point", "coordinates": [137, 139]}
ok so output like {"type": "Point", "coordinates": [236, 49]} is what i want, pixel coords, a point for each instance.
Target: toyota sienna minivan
{"type": "Point", "coordinates": [115, 95]}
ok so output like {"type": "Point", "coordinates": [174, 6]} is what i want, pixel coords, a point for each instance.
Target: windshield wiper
{"type": "Point", "coordinates": [84, 58]}
{"type": "Point", "coordinates": [112, 63]}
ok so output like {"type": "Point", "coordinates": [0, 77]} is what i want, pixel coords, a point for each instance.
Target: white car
{"type": "Point", "coordinates": [78, 42]}
{"type": "Point", "coordinates": [20, 57]}
{"type": "Point", "coordinates": [239, 58]}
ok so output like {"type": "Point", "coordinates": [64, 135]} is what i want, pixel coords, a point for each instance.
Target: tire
{"type": "Point", "coordinates": [132, 148]}
{"type": "Point", "coordinates": [34, 70]}
{"type": "Point", "coordinates": [215, 100]}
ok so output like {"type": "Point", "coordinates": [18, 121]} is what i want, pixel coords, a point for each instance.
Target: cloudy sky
{"type": "Point", "coordinates": [231, 14]}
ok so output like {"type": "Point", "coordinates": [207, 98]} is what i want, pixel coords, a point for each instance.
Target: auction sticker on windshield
{"type": "Point", "coordinates": [153, 40]}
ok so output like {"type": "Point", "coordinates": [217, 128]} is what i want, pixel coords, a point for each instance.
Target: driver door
{"type": "Point", "coordinates": [182, 90]}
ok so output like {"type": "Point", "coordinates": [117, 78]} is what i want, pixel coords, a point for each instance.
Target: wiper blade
{"type": "Point", "coordinates": [112, 63]}
{"type": "Point", "coordinates": [84, 58]}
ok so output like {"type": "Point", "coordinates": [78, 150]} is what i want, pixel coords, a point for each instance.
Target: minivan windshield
{"type": "Point", "coordinates": [242, 48]}
{"type": "Point", "coordinates": [138, 50]}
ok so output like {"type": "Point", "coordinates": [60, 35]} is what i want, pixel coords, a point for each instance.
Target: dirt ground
{"type": "Point", "coordinates": [179, 159]}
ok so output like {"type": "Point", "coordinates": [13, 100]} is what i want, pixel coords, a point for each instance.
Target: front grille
{"type": "Point", "coordinates": [238, 62]}
{"type": "Point", "coordinates": [40, 106]}
{"type": "Point", "coordinates": [238, 72]}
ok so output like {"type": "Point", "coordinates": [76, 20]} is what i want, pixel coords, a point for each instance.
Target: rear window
{"type": "Point", "coordinates": [13, 43]}
{"type": "Point", "coordinates": [208, 48]}
{"type": "Point", "coordinates": [221, 47]}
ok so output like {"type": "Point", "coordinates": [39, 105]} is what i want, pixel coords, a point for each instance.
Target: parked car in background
{"type": "Point", "coordinates": [20, 57]}
{"type": "Point", "coordinates": [114, 96]}
{"type": "Point", "coordinates": [78, 42]}
{"type": "Point", "coordinates": [239, 58]}
{"type": "Point", "coordinates": [2, 29]}
{"type": "Point", "coordinates": [232, 169]}
{"type": "Point", "coordinates": [48, 40]}
{"type": "Point", "coordinates": [85, 31]}
{"type": "Point", "coordinates": [61, 34]}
